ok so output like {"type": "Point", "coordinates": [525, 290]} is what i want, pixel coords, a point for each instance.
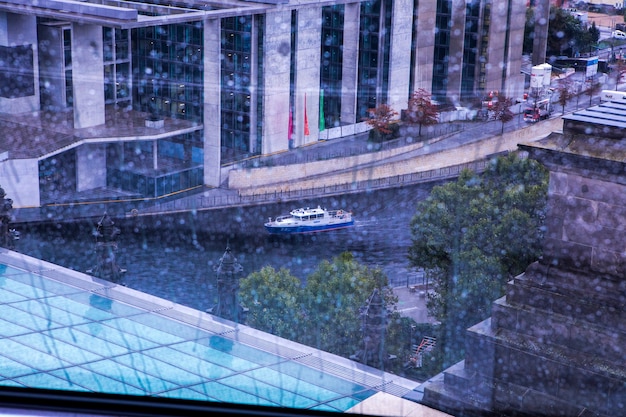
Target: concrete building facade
{"type": "Point", "coordinates": [150, 100]}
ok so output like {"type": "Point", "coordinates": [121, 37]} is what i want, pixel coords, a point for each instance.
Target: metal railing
{"type": "Point", "coordinates": [228, 200]}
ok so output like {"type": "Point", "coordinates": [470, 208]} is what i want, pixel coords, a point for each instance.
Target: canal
{"type": "Point", "coordinates": [172, 255]}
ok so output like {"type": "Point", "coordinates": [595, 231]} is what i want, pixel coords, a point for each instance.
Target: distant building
{"type": "Point", "coordinates": [148, 99]}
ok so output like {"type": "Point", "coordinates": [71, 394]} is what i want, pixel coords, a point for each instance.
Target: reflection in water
{"type": "Point", "coordinates": [173, 256]}
{"type": "Point", "coordinates": [95, 313]}
{"type": "Point", "coordinates": [3, 270]}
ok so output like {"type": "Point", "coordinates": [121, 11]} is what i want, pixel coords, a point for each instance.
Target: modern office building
{"type": "Point", "coordinates": [152, 98]}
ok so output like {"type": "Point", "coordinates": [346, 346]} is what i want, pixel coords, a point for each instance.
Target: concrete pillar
{"type": "Point", "coordinates": [425, 46]}
{"type": "Point", "coordinates": [350, 66]}
{"type": "Point", "coordinates": [514, 79]}
{"type": "Point", "coordinates": [18, 37]}
{"type": "Point", "coordinates": [455, 57]}
{"type": "Point", "coordinates": [87, 75]}
{"type": "Point", "coordinates": [400, 57]}
{"type": "Point", "coordinates": [212, 105]}
{"type": "Point", "coordinates": [275, 95]}
{"type": "Point", "coordinates": [91, 170]}
{"type": "Point", "coordinates": [540, 41]}
{"type": "Point", "coordinates": [20, 180]}
{"type": "Point", "coordinates": [308, 50]}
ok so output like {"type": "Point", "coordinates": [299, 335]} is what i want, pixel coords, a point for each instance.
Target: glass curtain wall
{"type": "Point", "coordinates": [331, 65]}
{"type": "Point", "coordinates": [167, 69]}
{"type": "Point", "coordinates": [373, 79]}
{"type": "Point", "coordinates": [116, 52]}
{"type": "Point", "coordinates": [236, 80]}
{"type": "Point", "coordinates": [470, 48]}
{"type": "Point", "coordinates": [443, 21]}
{"type": "Point", "coordinates": [484, 51]}
{"type": "Point", "coordinates": [167, 82]}
{"type": "Point", "coordinates": [260, 80]}
{"type": "Point", "coordinates": [67, 60]}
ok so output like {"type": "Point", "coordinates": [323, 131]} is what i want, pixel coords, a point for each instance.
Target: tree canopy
{"type": "Point", "coordinates": [473, 235]}
{"type": "Point", "coordinates": [326, 311]}
{"type": "Point", "coordinates": [421, 109]}
{"type": "Point", "coordinates": [567, 35]}
{"type": "Point", "coordinates": [502, 110]}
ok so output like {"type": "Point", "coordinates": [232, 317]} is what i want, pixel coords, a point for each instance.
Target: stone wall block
{"type": "Point", "coordinates": [609, 261]}
{"type": "Point", "coordinates": [481, 351]}
{"type": "Point", "coordinates": [558, 183]}
{"type": "Point", "coordinates": [567, 254]}
{"type": "Point", "coordinates": [538, 403]}
{"type": "Point", "coordinates": [604, 343]}
{"type": "Point", "coordinates": [612, 216]}
{"type": "Point", "coordinates": [587, 389]}
{"type": "Point", "coordinates": [597, 190]}
{"type": "Point", "coordinates": [522, 295]}
{"type": "Point", "coordinates": [503, 316]}
{"type": "Point", "coordinates": [554, 222]}
{"type": "Point", "coordinates": [594, 235]}
{"type": "Point", "coordinates": [502, 353]}
{"type": "Point", "coordinates": [532, 370]}
{"type": "Point", "coordinates": [617, 397]}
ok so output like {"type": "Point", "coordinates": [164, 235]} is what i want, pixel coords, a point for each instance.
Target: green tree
{"type": "Point", "coordinates": [326, 312]}
{"type": "Point", "coordinates": [273, 299]}
{"type": "Point", "coordinates": [421, 110]}
{"type": "Point", "coordinates": [473, 235]}
{"type": "Point", "coordinates": [566, 34]}
{"type": "Point", "coordinates": [334, 294]}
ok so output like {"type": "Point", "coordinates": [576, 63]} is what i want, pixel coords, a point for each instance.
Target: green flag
{"type": "Point", "coordinates": [322, 121]}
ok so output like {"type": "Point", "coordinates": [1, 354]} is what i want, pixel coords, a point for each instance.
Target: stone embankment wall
{"type": "Point", "coordinates": [378, 165]}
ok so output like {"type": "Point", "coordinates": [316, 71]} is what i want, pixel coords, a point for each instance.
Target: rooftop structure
{"type": "Point", "coordinates": [64, 330]}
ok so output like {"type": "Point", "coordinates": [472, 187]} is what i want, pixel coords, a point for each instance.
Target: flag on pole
{"type": "Point", "coordinates": [322, 118]}
{"type": "Point", "coordinates": [306, 119]}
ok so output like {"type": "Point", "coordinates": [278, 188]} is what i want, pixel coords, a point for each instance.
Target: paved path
{"type": "Point", "coordinates": [412, 304]}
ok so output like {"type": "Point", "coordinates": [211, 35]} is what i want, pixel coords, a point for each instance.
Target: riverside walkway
{"type": "Point", "coordinates": [344, 165]}
{"type": "Point", "coordinates": [438, 158]}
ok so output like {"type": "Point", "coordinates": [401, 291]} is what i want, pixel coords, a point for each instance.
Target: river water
{"type": "Point", "coordinates": [172, 256]}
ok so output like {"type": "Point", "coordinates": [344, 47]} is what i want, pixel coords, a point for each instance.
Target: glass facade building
{"type": "Point", "coordinates": [174, 97]}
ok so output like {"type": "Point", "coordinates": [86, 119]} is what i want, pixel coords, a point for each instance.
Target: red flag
{"type": "Point", "coordinates": [306, 119]}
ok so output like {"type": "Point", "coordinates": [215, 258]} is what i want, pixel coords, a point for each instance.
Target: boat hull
{"type": "Point", "coordinates": [300, 229]}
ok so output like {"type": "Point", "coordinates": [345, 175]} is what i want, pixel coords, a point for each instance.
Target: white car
{"type": "Point", "coordinates": [618, 34]}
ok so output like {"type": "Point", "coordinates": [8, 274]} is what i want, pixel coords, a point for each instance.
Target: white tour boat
{"type": "Point", "coordinates": [308, 220]}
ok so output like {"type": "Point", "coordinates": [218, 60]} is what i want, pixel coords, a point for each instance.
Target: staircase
{"type": "Point", "coordinates": [415, 359]}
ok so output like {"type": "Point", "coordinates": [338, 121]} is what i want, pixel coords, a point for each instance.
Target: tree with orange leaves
{"type": "Point", "coordinates": [421, 110]}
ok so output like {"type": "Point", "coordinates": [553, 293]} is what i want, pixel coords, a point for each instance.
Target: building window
{"type": "Point", "coordinates": [373, 60]}
{"type": "Point", "coordinates": [332, 63]}
{"type": "Point", "coordinates": [167, 70]}
{"type": "Point", "coordinates": [116, 55]}
{"type": "Point", "coordinates": [236, 73]}
{"type": "Point", "coordinates": [470, 49]}
{"type": "Point", "coordinates": [441, 49]}
{"type": "Point", "coordinates": [67, 55]}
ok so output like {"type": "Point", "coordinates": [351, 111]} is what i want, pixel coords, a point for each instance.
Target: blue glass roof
{"type": "Point", "coordinates": [65, 330]}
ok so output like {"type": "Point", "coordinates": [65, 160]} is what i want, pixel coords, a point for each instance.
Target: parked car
{"type": "Point", "coordinates": [618, 34]}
